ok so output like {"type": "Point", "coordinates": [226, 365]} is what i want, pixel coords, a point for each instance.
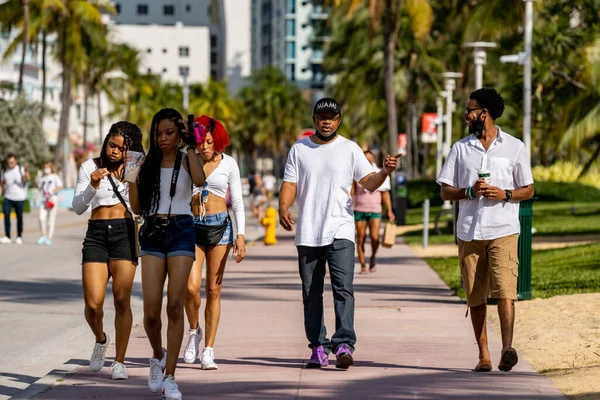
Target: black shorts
{"type": "Point", "coordinates": [111, 239]}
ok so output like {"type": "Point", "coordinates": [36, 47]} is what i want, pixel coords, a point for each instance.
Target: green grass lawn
{"type": "Point", "coordinates": [549, 219]}
{"type": "Point", "coordinates": [554, 272]}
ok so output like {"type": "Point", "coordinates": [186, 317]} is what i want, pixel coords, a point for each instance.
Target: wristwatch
{"type": "Point", "coordinates": [508, 195]}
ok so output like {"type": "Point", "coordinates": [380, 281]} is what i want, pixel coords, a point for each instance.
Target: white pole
{"type": "Point", "coordinates": [425, 223]}
{"type": "Point", "coordinates": [186, 93]}
{"type": "Point", "coordinates": [450, 85]}
{"type": "Point", "coordinates": [527, 76]}
{"type": "Point", "coordinates": [440, 135]}
{"type": "Point", "coordinates": [479, 58]}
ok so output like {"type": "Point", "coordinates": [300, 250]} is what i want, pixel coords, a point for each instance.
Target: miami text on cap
{"type": "Point", "coordinates": [327, 104]}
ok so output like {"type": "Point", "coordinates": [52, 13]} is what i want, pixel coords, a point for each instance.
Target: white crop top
{"type": "Point", "coordinates": [227, 175]}
{"type": "Point", "coordinates": [182, 200]}
{"type": "Point", "coordinates": [86, 195]}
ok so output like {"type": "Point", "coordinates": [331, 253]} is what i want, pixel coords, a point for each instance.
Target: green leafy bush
{"type": "Point", "coordinates": [565, 171]}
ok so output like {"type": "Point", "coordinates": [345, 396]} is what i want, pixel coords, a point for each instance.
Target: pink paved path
{"type": "Point", "coordinates": [414, 342]}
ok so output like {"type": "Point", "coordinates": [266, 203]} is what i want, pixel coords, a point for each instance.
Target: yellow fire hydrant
{"type": "Point", "coordinates": [270, 224]}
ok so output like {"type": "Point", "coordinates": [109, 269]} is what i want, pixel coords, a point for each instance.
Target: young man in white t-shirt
{"type": "Point", "coordinates": [14, 189]}
{"type": "Point", "coordinates": [319, 173]}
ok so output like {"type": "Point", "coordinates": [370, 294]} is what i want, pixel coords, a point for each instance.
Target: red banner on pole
{"type": "Point", "coordinates": [428, 128]}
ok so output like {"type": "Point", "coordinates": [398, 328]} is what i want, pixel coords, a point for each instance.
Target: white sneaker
{"type": "Point", "coordinates": [19, 241]}
{"type": "Point", "coordinates": [5, 240]}
{"type": "Point", "coordinates": [207, 361]}
{"type": "Point", "coordinates": [98, 355]}
{"type": "Point", "coordinates": [119, 371]}
{"type": "Point", "coordinates": [191, 349]}
{"type": "Point", "coordinates": [170, 389]}
{"type": "Point", "coordinates": [155, 378]}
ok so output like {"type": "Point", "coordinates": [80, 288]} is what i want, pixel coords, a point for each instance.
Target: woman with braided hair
{"type": "Point", "coordinates": [109, 247]}
{"type": "Point", "coordinates": [163, 195]}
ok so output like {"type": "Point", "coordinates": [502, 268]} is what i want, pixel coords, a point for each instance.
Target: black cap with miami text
{"type": "Point", "coordinates": [327, 104]}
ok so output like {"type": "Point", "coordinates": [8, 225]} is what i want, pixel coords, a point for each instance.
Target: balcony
{"type": "Point", "coordinates": [319, 13]}
{"type": "Point", "coordinates": [316, 56]}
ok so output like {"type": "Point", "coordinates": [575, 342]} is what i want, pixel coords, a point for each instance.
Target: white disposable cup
{"type": "Point", "coordinates": [133, 163]}
{"type": "Point", "coordinates": [486, 175]}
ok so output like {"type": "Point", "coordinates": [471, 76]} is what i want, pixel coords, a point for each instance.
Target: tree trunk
{"type": "Point", "coordinates": [409, 155]}
{"type": "Point", "coordinates": [100, 121]}
{"type": "Point", "coordinates": [44, 83]}
{"type": "Point", "coordinates": [390, 35]}
{"type": "Point", "coordinates": [63, 127]}
{"type": "Point", "coordinates": [86, 96]}
{"type": "Point", "coordinates": [25, 39]}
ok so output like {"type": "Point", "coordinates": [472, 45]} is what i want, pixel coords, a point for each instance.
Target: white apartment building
{"type": "Point", "coordinates": [169, 51]}
{"type": "Point", "coordinates": [290, 34]}
{"type": "Point", "coordinates": [227, 54]}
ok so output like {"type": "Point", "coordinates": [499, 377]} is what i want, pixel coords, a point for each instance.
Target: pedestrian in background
{"type": "Point", "coordinates": [48, 187]}
{"type": "Point", "coordinates": [270, 181]}
{"type": "Point", "coordinates": [367, 214]}
{"type": "Point", "coordinates": [163, 196]}
{"type": "Point", "coordinates": [319, 173]}
{"type": "Point", "coordinates": [13, 188]}
{"type": "Point", "coordinates": [214, 238]}
{"type": "Point", "coordinates": [489, 173]}
{"type": "Point", "coordinates": [109, 247]}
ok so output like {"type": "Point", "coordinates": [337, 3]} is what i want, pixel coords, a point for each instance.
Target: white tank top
{"type": "Point", "coordinates": [181, 204]}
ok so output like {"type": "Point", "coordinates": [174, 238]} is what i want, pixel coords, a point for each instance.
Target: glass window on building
{"type": "Point", "coordinates": [118, 8]}
{"type": "Point", "coordinates": [290, 27]}
{"type": "Point", "coordinates": [291, 6]}
{"type": "Point", "coordinates": [290, 72]}
{"type": "Point", "coordinates": [213, 58]}
{"type": "Point", "coordinates": [188, 8]}
{"type": "Point", "coordinates": [142, 9]}
{"type": "Point", "coordinates": [290, 50]}
{"type": "Point", "coordinates": [213, 41]}
{"type": "Point", "coordinates": [169, 9]}
{"type": "Point", "coordinates": [184, 51]}
{"type": "Point", "coordinates": [184, 70]}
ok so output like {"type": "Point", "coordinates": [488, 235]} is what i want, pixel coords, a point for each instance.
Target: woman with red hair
{"type": "Point", "coordinates": [214, 236]}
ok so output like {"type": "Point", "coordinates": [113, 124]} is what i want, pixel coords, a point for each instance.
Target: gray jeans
{"type": "Point", "coordinates": [340, 257]}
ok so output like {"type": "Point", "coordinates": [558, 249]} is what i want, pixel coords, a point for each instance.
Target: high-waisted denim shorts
{"type": "Point", "coordinates": [180, 240]}
{"type": "Point", "coordinates": [215, 220]}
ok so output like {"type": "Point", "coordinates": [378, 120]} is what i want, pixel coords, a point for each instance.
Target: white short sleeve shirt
{"type": "Point", "coordinates": [324, 174]}
{"type": "Point", "coordinates": [508, 162]}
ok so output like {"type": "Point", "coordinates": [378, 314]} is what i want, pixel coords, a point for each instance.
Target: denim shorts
{"type": "Point", "coordinates": [217, 219]}
{"type": "Point", "coordinates": [181, 240]}
{"type": "Point", "coordinates": [109, 239]}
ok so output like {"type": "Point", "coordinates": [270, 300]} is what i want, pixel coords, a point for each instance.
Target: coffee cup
{"type": "Point", "coordinates": [485, 175]}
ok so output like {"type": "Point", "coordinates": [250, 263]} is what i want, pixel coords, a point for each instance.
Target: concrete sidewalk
{"type": "Point", "coordinates": [414, 342]}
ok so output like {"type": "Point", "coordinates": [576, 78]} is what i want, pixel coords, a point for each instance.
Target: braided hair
{"type": "Point", "coordinates": [149, 178]}
{"type": "Point", "coordinates": [132, 138]}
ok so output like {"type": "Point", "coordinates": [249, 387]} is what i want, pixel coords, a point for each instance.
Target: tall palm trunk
{"type": "Point", "coordinates": [25, 40]}
{"type": "Point", "coordinates": [44, 82]}
{"type": "Point", "coordinates": [100, 122]}
{"type": "Point", "coordinates": [63, 126]}
{"type": "Point", "coordinates": [390, 37]}
{"type": "Point", "coordinates": [86, 96]}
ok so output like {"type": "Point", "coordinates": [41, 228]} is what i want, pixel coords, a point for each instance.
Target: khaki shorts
{"type": "Point", "coordinates": [489, 267]}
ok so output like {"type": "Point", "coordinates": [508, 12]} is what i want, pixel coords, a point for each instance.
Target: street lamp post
{"type": "Point", "coordinates": [185, 89]}
{"type": "Point", "coordinates": [479, 58]}
{"type": "Point", "coordinates": [439, 121]}
{"type": "Point", "coordinates": [524, 58]}
{"type": "Point", "coordinates": [449, 86]}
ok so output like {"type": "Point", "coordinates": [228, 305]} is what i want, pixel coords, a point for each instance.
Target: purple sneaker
{"type": "Point", "coordinates": [344, 357]}
{"type": "Point", "coordinates": [318, 359]}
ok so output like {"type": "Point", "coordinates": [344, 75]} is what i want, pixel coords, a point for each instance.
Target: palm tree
{"type": "Point", "coordinates": [80, 18]}
{"type": "Point", "coordinates": [215, 100]}
{"type": "Point", "coordinates": [388, 13]}
{"type": "Point", "coordinates": [24, 43]}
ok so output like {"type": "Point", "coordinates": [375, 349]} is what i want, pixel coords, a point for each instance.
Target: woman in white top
{"type": "Point", "coordinates": [163, 195]}
{"type": "Point", "coordinates": [109, 244]}
{"type": "Point", "coordinates": [48, 187]}
{"type": "Point", "coordinates": [214, 237]}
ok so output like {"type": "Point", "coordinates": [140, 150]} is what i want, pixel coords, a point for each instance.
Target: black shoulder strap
{"type": "Point", "coordinates": [116, 190]}
{"type": "Point", "coordinates": [176, 168]}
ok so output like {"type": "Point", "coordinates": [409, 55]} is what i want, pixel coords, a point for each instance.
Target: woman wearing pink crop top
{"type": "Point", "coordinates": [367, 213]}
{"type": "Point", "coordinates": [214, 238]}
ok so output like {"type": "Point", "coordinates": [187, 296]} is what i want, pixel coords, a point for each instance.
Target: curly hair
{"type": "Point", "coordinates": [489, 99]}
{"type": "Point", "coordinates": [217, 130]}
{"type": "Point", "coordinates": [149, 178]}
{"type": "Point", "coordinates": [132, 138]}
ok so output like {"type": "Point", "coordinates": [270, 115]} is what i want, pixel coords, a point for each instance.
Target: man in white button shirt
{"type": "Point", "coordinates": [319, 172]}
{"type": "Point", "coordinates": [488, 220]}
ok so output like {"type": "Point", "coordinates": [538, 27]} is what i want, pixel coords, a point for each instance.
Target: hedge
{"type": "Point", "coordinates": [418, 191]}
